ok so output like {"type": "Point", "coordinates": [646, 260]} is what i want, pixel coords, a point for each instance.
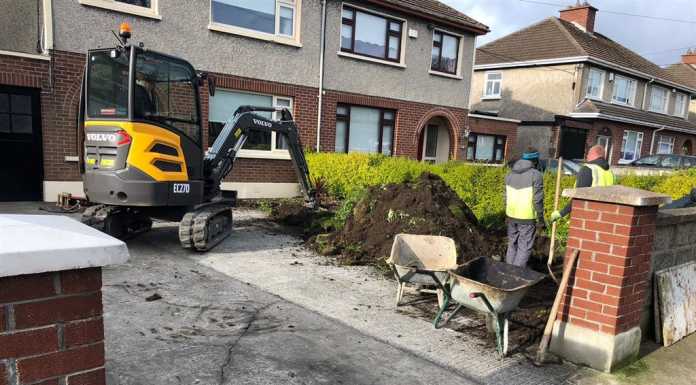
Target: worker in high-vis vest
{"type": "Point", "coordinates": [595, 173]}
{"type": "Point", "coordinates": [524, 207]}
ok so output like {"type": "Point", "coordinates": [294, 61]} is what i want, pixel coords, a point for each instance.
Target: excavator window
{"type": "Point", "coordinates": [108, 85]}
{"type": "Point", "coordinates": [164, 92]}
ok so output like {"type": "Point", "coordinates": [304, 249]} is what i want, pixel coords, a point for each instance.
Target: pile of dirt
{"type": "Point", "coordinates": [426, 206]}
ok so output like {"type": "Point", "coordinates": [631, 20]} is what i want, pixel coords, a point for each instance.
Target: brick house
{"type": "Point", "coordinates": [572, 87]}
{"type": "Point", "coordinates": [381, 76]}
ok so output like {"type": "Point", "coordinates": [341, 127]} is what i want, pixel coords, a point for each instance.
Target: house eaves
{"type": "Point", "coordinates": [421, 12]}
{"type": "Point", "coordinates": [489, 117]}
{"type": "Point", "coordinates": [597, 115]}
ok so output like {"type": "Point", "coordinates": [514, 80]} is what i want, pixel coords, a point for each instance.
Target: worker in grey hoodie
{"type": "Point", "coordinates": [524, 207]}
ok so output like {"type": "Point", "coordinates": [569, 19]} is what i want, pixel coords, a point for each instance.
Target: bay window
{"type": "Point", "coordinates": [624, 90]}
{"type": "Point", "coordinates": [631, 145]}
{"type": "Point", "coordinates": [364, 129]}
{"type": "Point", "coordinates": [445, 53]}
{"type": "Point", "coordinates": [256, 18]}
{"type": "Point", "coordinates": [659, 99]}
{"type": "Point", "coordinates": [493, 85]}
{"type": "Point", "coordinates": [223, 106]}
{"type": "Point", "coordinates": [595, 83]}
{"type": "Point", "coordinates": [665, 145]}
{"type": "Point", "coordinates": [486, 148]}
{"type": "Point", "coordinates": [372, 35]}
{"type": "Point", "coordinates": [681, 102]}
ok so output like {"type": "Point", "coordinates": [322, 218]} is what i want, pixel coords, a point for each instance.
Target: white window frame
{"type": "Point", "coordinates": [632, 99]}
{"type": "Point", "coordinates": [603, 75]}
{"type": "Point", "coordinates": [665, 106]}
{"type": "Point", "coordinates": [404, 33]}
{"type": "Point", "coordinates": [460, 52]}
{"type": "Point", "coordinates": [638, 149]}
{"type": "Point", "coordinates": [274, 153]}
{"type": "Point", "coordinates": [667, 140]}
{"type": "Point", "coordinates": [684, 105]}
{"type": "Point", "coordinates": [485, 85]}
{"type": "Point", "coordinates": [152, 12]}
{"type": "Point", "coordinates": [276, 37]}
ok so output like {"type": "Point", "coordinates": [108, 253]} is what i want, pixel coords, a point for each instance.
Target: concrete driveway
{"type": "Point", "coordinates": [262, 309]}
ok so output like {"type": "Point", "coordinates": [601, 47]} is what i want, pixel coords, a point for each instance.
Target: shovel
{"type": "Point", "coordinates": [557, 197]}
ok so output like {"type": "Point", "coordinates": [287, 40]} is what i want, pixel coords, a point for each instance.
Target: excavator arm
{"type": "Point", "coordinates": [220, 159]}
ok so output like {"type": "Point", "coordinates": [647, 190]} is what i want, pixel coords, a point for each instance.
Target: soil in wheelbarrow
{"type": "Point", "coordinates": [426, 206]}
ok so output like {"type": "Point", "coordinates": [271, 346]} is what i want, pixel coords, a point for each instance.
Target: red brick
{"type": "Point", "coordinates": [53, 381]}
{"type": "Point", "coordinates": [610, 310]}
{"type": "Point", "coordinates": [61, 309]}
{"type": "Point", "coordinates": [573, 243]}
{"type": "Point", "coordinates": [83, 332]}
{"type": "Point", "coordinates": [589, 285]}
{"type": "Point", "coordinates": [578, 204]}
{"type": "Point", "coordinates": [581, 273]}
{"type": "Point", "coordinates": [596, 246]}
{"type": "Point", "coordinates": [601, 318]}
{"type": "Point", "coordinates": [608, 329]}
{"type": "Point", "coordinates": [604, 299]}
{"type": "Point", "coordinates": [576, 292]}
{"type": "Point", "coordinates": [608, 279]}
{"type": "Point", "coordinates": [582, 234]}
{"type": "Point", "coordinates": [593, 266]}
{"type": "Point", "coordinates": [28, 343]}
{"type": "Point", "coordinates": [60, 363]}
{"type": "Point", "coordinates": [647, 220]}
{"type": "Point", "coordinates": [612, 260]}
{"type": "Point", "coordinates": [81, 281]}
{"type": "Point", "coordinates": [614, 239]}
{"type": "Point", "coordinates": [26, 287]}
{"type": "Point", "coordinates": [95, 377]}
{"type": "Point", "coordinates": [618, 219]}
{"type": "Point", "coordinates": [586, 215]}
{"type": "Point", "coordinates": [601, 227]}
{"type": "Point", "coordinates": [603, 207]}
{"type": "Point", "coordinates": [586, 305]}
{"type": "Point", "coordinates": [585, 324]}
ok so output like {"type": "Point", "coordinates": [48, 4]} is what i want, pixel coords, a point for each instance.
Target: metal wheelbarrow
{"type": "Point", "coordinates": [422, 260]}
{"type": "Point", "coordinates": [491, 287]}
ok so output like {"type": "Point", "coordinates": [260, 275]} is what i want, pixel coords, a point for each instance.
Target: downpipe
{"type": "Point", "coordinates": [654, 135]}
{"type": "Point", "coordinates": [321, 73]}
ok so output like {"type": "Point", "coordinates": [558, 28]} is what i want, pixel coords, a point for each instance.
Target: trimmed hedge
{"type": "Point", "coordinates": [345, 177]}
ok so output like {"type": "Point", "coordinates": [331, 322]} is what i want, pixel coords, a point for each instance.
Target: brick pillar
{"type": "Point", "coordinates": [599, 321]}
{"type": "Point", "coordinates": [51, 328]}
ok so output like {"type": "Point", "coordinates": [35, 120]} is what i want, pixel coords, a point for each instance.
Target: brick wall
{"type": "Point", "coordinates": [609, 286]}
{"type": "Point", "coordinates": [410, 120]}
{"type": "Point", "coordinates": [495, 127]}
{"type": "Point", "coordinates": [51, 329]}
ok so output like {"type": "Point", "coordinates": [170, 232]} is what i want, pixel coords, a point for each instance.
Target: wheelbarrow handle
{"type": "Point", "coordinates": [484, 299]}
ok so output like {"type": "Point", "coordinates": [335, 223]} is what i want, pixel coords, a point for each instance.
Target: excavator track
{"type": "Point", "coordinates": [206, 227]}
{"type": "Point", "coordinates": [119, 222]}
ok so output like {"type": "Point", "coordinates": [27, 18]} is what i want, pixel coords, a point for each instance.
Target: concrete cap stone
{"type": "Point", "coordinates": [617, 194]}
{"type": "Point", "coordinates": [31, 244]}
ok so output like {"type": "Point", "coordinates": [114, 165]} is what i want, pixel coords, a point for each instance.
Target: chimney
{"type": "Point", "coordinates": [582, 14]}
{"type": "Point", "coordinates": [689, 57]}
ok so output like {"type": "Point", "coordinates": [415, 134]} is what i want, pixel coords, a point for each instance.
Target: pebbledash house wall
{"type": "Point", "coordinates": [245, 64]}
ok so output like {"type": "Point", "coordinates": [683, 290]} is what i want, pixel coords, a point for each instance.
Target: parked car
{"type": "Point", "coordinates": [666, 161]}
{"type": "Point", "coordinates": [551, 165]}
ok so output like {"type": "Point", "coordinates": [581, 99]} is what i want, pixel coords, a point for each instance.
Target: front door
{"type": "Point", "coordinates": [605, 141]}
{"type": "Point", "coordinates": [573, 142]}
{"type": "Point", "coordinates": [21, 155]}
{"type": "Point", "coordinates": [435, 144]}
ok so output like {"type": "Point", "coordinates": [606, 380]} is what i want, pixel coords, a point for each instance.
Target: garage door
{"type": "Point", "coordinates": [21, 156]}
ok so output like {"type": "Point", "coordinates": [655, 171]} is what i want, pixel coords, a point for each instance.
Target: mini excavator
{"type": "Point", "coordinates": [143, 155]}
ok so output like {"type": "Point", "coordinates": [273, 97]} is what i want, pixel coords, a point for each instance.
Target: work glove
{"type": "Point", "coordinates": [555, 216]}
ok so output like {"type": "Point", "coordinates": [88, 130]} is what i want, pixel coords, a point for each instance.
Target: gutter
{"type": "Point", "coordinates": [321, 72]}
{"type": "Point", "coordinates": [596, 115]}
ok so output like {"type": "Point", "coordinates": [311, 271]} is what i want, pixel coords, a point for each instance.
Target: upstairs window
{"type": "Point", "coordinates": [493, 85]}
{"type": "Point", "coordinates": [144, 8]}
{"type": "Point", "coordinates": [624, 90]}
{"type": "Point", "coordinates": [659, 100]}
{"type": "Point", "coordinates": [371, 35]}
{"type": "Point", "coordinates": [595, 84]}
{"type": "Point", "coordinates": [681, 101]}
{"type": "Point", "coordinates": [269, 17]}
{"type": "Point", "coordinates": [445, 53]}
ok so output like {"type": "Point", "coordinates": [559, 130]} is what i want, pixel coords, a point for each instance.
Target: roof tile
{"type": "Point", "coordinates": [621, 112]}
{"type": "Point", "coordinates": [435, 9]}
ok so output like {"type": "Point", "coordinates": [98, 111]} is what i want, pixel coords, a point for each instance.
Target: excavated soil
{"type": "Point", "coordinates": [426, 206]}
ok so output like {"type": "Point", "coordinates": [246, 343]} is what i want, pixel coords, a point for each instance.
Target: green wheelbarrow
{"type": "Point", "coordinates": [491, 287]}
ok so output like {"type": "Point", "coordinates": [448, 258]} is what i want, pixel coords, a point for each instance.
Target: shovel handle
{"type": "Point", "coordinates": [557, 197]}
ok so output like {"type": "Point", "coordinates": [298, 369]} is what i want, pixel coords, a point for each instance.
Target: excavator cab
{"type": "Point", "coordinates": [143, 152]}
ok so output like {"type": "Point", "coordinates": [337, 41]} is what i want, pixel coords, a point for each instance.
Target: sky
{"type": "Point", "coordinates": [660, 41]}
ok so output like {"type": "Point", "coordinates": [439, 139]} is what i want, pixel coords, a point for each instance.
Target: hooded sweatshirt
{"type": "Point", "coordinates": [584, 179]}
{"type": "Point", "coordinates": [524, 175]}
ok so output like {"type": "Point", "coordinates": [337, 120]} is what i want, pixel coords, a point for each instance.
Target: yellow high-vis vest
{"type": "Point", "coordinates": [520, 203]}
{"type": "Point", "coordinates": [601, 177]}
